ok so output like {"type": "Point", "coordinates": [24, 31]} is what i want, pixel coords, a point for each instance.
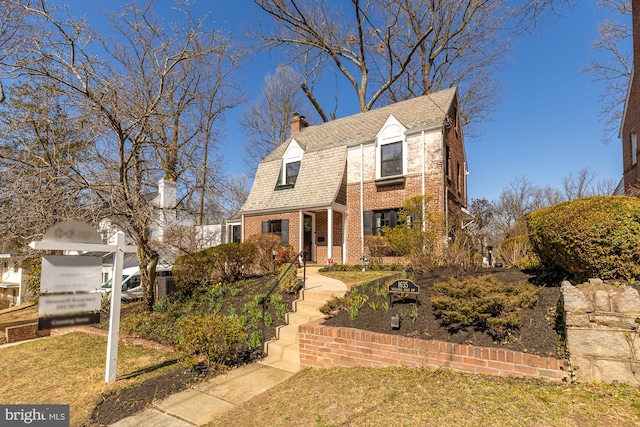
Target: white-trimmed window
{"type": "Point", "coordinates": [391, 150]}
{"type": "Point", "coordinates": [279, 227]}
{"type": "Point", "coordinates": [291, 161]}
{"type": "Point", "coordinates": [634, 148]}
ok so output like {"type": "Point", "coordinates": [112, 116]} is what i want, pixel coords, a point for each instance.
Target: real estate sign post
{"type": "Point", "coordinates": [71, 278]}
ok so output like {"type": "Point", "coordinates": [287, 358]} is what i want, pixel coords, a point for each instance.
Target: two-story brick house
{"type": "Point", "coordinates": [330, 185]}
{"type": "Point", "coordinates": [630, 126]}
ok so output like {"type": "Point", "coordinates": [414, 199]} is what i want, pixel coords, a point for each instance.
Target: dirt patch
{"type": "Point", "coordinates": [536, 335]}
{"type": "Point", "coordinates": [119, 405]}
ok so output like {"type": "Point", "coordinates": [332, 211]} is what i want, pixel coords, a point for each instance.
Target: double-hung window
{"type": "Point", "coordinates": [291, 172]}
{"type": "Point", "coordinates": [279, 227]}
{"type": "Point", "coordinates": [291, 161]}
{"type": "Point", "coordinates": [391, 159]}
{"type": "Point", "coordinates": [374, 221]}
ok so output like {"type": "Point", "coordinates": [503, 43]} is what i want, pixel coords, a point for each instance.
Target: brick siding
{"type": "Point", "coordinates": [326, 347]}
{"type": "Point", "coordinates": [631, 120]}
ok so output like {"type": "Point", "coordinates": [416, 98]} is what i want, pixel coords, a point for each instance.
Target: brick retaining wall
{"type": "Point", "coordinates": [24, 332]}
{"type": "Point", "coordinates": [325, 347]}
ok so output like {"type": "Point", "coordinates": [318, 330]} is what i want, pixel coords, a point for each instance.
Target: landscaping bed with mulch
{"type": "Point", "coordinates": [116, 406]}
{"type": "Point", "coordinates": [537, 334]}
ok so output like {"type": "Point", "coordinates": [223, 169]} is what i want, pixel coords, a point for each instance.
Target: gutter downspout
{"type": "Point", "coordinates": [361, 199]}
{"type": "Point", "coordinates": [445, 199]}
{"type": "Point", "coordinates": [424, 172]}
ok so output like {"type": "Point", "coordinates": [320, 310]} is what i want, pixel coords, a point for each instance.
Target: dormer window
{"type": "Point", "coordinates": [391, 152]}
{"type": "Point", "coordinates": [291, 161]}
{"type": "Point", "coordinates": [291, 174]}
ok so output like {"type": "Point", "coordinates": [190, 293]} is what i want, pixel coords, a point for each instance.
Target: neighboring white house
{"type": "Point", "coordinates": [12, 281]}
{"type": "Point", "coordinates": [169, 216]}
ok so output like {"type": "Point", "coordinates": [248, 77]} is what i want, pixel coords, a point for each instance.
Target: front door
{"type": "Point", "coordinates": [307, 244]}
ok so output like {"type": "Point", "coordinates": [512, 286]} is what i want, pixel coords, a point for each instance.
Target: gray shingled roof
{"type": "Point", "coordinates": [325, 151]}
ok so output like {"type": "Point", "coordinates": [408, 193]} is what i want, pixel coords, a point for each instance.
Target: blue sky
{"type": "Point", "coordinates": [546, 128]}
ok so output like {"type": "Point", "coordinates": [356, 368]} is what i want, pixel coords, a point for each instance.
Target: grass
{"type": "Point", "coordinates": [352, 278]}
{"type": "Point", "coordinates": [70, 369]}
{"type": "Point", "coordinates": [19, 313]}
{"type": "Point", "coordinates": [412, 397]}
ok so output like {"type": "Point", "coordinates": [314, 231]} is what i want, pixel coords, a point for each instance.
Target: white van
{"type": "Point", "coordinates": [131, 282]}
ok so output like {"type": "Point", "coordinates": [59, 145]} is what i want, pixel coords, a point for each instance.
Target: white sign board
{"type": "Point", "coordinates": [68, 303]}
{"type": "Point", "coordinates": [62, 273]}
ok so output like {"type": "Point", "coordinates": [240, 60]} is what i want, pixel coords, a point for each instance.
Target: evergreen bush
{"type": "Point", "coordinates": [209, 340]}
{"type": "Point", "coordinates": [483, 303]}
{"type": "Point", "coordinates": [589, 237]}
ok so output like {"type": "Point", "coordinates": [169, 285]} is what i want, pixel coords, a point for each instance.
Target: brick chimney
{"type": "Point", "coordinates": [298, 123]}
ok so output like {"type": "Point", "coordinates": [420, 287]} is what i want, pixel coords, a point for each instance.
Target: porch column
{"type": "Point", "coordinates": [301, 231]}
{"type": "Point", "coordinates": [329, 234]}
{"type": "Point", "coordinates": [344, 237]}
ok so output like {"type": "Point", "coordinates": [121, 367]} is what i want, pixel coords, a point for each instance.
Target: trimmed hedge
{"type": "Point", "coordinates": [589, 237]}
{"type": "Point", "coordinates": [225, 262]}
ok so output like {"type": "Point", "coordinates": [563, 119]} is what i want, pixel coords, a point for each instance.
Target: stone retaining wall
{"type": "Point", "coordinates": [325, 347]}
{"type": "Point", "coordinates": [602, 324]}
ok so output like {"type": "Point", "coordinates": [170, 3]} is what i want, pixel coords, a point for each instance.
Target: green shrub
{"type": "Point", "coordinates": [209, 340]}
{"type": "Point", "coordinates": [193, 270]}
{"type": "Point", "coordinates": [415, 237]}
{"type": "Point", "coordinates": [226, 262]}
{"type": "Point", "coordinates": [589, 237]}
{"type": "Point", "coordinates": [231, 259]}
{"type": "Point", "coordinates": [483, 303]}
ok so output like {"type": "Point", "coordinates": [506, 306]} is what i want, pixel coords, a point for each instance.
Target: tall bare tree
{"type": "Point", "coordinates": [43, 154]}
{"type": "Point", "coordinates": [135, 87]}
{"type": "Point", "coordinates": [13, 16]}
{"type": "Point", "coordinates": [613, 64]}
{"type": "Point", "coordinates": [267, 119]}
{"type": "Point", "coordinates": [391, 50]}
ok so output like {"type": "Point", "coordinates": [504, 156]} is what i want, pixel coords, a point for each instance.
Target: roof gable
{"type": "Point", "coordinates": [323, 151]}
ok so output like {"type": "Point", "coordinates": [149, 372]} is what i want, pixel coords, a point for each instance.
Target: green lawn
{"type": "Point", "coordinates": [420, 397]}
{"type": "Point", "coordinates": [70, 369]}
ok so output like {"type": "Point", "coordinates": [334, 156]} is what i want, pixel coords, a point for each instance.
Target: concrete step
{"type": "Point", "coordinates": [287, 333]}
{"type": "Point", "coordinates": [287, 352]}
{"type": "Point", "coordinates": [319, 296]}
{"type": "Point", "coordinates": [281, 364]}
{"type": "Point", "coordinates": [307, 305]}
{"type": "Point", "coordinates": [302, 317]}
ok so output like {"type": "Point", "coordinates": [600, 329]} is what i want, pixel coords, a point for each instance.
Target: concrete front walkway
{"type": "Point", "coordinates": [205, 401]}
